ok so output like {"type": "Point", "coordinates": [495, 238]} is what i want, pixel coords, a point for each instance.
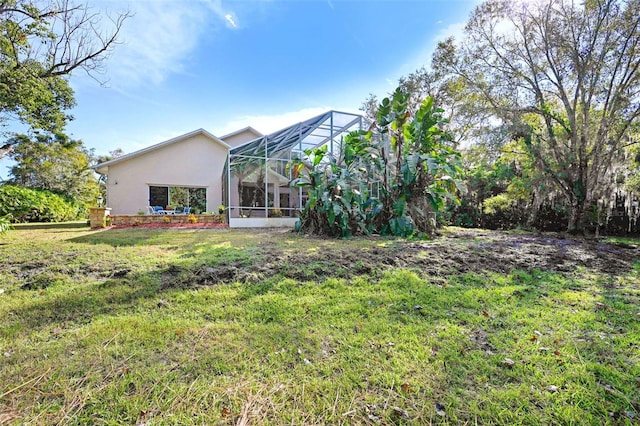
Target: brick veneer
{"type": "Point", "coordinates": [120, 220]}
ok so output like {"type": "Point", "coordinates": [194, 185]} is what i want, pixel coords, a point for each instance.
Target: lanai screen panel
{"type": "Point", "coordinates": [259, 177]}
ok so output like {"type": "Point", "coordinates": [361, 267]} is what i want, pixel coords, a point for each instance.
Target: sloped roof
{"type": "Point", "coordinates": [307, 134]}
{"type": "Point", "coordinates": [245, 129]}
{"type": "Point", "coordinates": [151, 148]}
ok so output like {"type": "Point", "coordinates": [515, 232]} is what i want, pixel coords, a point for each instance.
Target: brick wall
{"type": "Point", "coordinates": [120, 220]}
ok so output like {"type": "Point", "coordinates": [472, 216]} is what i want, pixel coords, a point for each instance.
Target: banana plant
{"type": "Point", "coordinates": [410, 159]}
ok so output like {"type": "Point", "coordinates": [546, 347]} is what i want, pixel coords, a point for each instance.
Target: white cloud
{"type": "Point", "coordinates": [158, 39]}
{"type": "Point", "coordinates": [230, 20]}
{"type": "Point", "coordinates": [269, 123]}
{"type": "Point", "coordinates": [455, 30]}
{"type": "Point", "coordinates": [222, 12]}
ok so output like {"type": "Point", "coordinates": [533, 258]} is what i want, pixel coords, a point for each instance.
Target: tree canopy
{"type": "Point", "coordinates": [565, 78]}
{"type": "Point", "coordinates": [55, 163]}
{"type": "Point", "coordinates": [41, 43]}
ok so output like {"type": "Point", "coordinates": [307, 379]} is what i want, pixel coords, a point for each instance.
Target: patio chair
{"type": "Point", "coordinates": [157, 209]}
{"type": "Point", "coordinates": [150, 210]}
{"type": "Point", "coordinates": [179, 210]}
{"type": "Point", "coordinates": [187, 210]}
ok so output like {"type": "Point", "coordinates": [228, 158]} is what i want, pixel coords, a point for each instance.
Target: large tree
{"type": "Point", "coordinates": [41, 43]}
{"type": "Point", "coordinates": [55, 163]}
{"type": "Point", "coordinates": [565, 77]}
{"type": "Point", "coordinates": [466, 115]}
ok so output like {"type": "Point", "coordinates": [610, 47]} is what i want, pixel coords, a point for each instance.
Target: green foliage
{"type": "Point", "coordinates": [340, 202]}
{"type": "Point", "coordinates": [29, 90]}
{"type": "Point", "coordinates": [41, 43]}
{"type": "Point", "coordinates": [392, 181]}
{"type": "Point", "coordinates": [574, 112]}
{"type": "Point", "coordinates": [427, 168]}
{"type": "Point", "coordinates": [38, 102]}
{"type": "Point", "coordinates": [5, 224]}
{"type": "Point", "coordinates": [32, 205]}
{"type": "Point", "coordinates": [497, 203]}
{"type": "Point", "coordinates": [55, 163]}
{"type": "Point", "coordinates": [505, 190]}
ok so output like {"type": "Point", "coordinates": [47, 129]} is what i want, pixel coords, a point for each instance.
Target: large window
{"type": "Point", "coordinates": [178, 196]}
{"type": "Point", "coordinates": [158, 196]}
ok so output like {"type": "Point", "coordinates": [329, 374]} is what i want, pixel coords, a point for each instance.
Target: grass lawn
{"type": "Point", "coordinates": [176, 327]}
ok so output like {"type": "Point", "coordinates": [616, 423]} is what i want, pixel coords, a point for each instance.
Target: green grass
{"type": "Point", "coordinates": [100, 328]}
{"type": "Point", "coordinates": [631, 241]}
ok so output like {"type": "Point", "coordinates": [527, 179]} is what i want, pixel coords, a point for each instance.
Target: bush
{"type": "Point", "coordinates": [499, 202]}
{"type": "Point", "coordinates": [5, 224]}
{"type": "Point", "coordinates": [34, 205]}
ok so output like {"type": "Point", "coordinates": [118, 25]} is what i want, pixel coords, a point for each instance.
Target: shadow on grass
{"type": "Point", "coordinates": [141, 236]}
{"type": "Point", "coordinates": [115, 296]}
{"type": "Point", "coordinates": [122, 293]}
{"type": "Point", "coordinates": [52, 225]}
{"type": "Point", "coordinates": [119, 237]}
{"type": "Point", "coordinates": [127, 237]}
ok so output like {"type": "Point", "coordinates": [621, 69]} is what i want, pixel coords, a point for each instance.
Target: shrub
{"type": "Point", "coordinates": [192, 218]}
{"type": "Point", "coordinates": [34, 205]}
{"type": "Point", "coordinates": [5, 224]}
{"type": "Point", "coordinates": [497, 203]}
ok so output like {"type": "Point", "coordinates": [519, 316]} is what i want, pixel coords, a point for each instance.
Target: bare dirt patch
{"type": "Point", "coordinates": [456, 252]}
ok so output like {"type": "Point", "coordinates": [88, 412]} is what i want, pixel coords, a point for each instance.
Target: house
{"type": "Point", "coordinates": [245, 170]}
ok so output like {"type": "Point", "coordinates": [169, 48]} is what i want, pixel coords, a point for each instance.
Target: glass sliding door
{"type": "Point", "coordinates": [159, 196]}
{"type": "Point", "coordinates": [179, 196]}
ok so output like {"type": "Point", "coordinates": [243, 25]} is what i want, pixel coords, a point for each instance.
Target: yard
{"type": "Point", "coordinates": [220, 326]}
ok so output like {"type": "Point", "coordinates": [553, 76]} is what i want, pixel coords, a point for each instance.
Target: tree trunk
{"type": "Point", "coordinates": [576, 218]}
{"type": "Point", "coordinates": [532, 217]}
{"type": "Point", "coordinates": [6, 149]}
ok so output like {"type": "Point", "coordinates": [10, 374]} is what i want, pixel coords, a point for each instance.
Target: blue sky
{"type": "Point", "coordinates": [222, 65]}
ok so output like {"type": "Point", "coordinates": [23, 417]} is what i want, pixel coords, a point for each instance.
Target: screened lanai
{"type": "Point", "coordinates": [257, 178]}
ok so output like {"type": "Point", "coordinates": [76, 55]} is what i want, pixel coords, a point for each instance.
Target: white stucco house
{"type": "Point", "coordinates": [245, 171]}
{"type": "Point", "coordinates": [194, 160]}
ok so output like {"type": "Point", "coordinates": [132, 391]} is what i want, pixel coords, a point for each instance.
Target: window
{"type": "Point", "coordinates": [159, 196]}
{"type": "Point", "coordinates": [175, 196]}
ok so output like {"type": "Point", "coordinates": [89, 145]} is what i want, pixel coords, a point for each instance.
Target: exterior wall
{"type": "Point", "coordinates": [240, 138]}
{"type": "Point", "coordinates": [194, 162]}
